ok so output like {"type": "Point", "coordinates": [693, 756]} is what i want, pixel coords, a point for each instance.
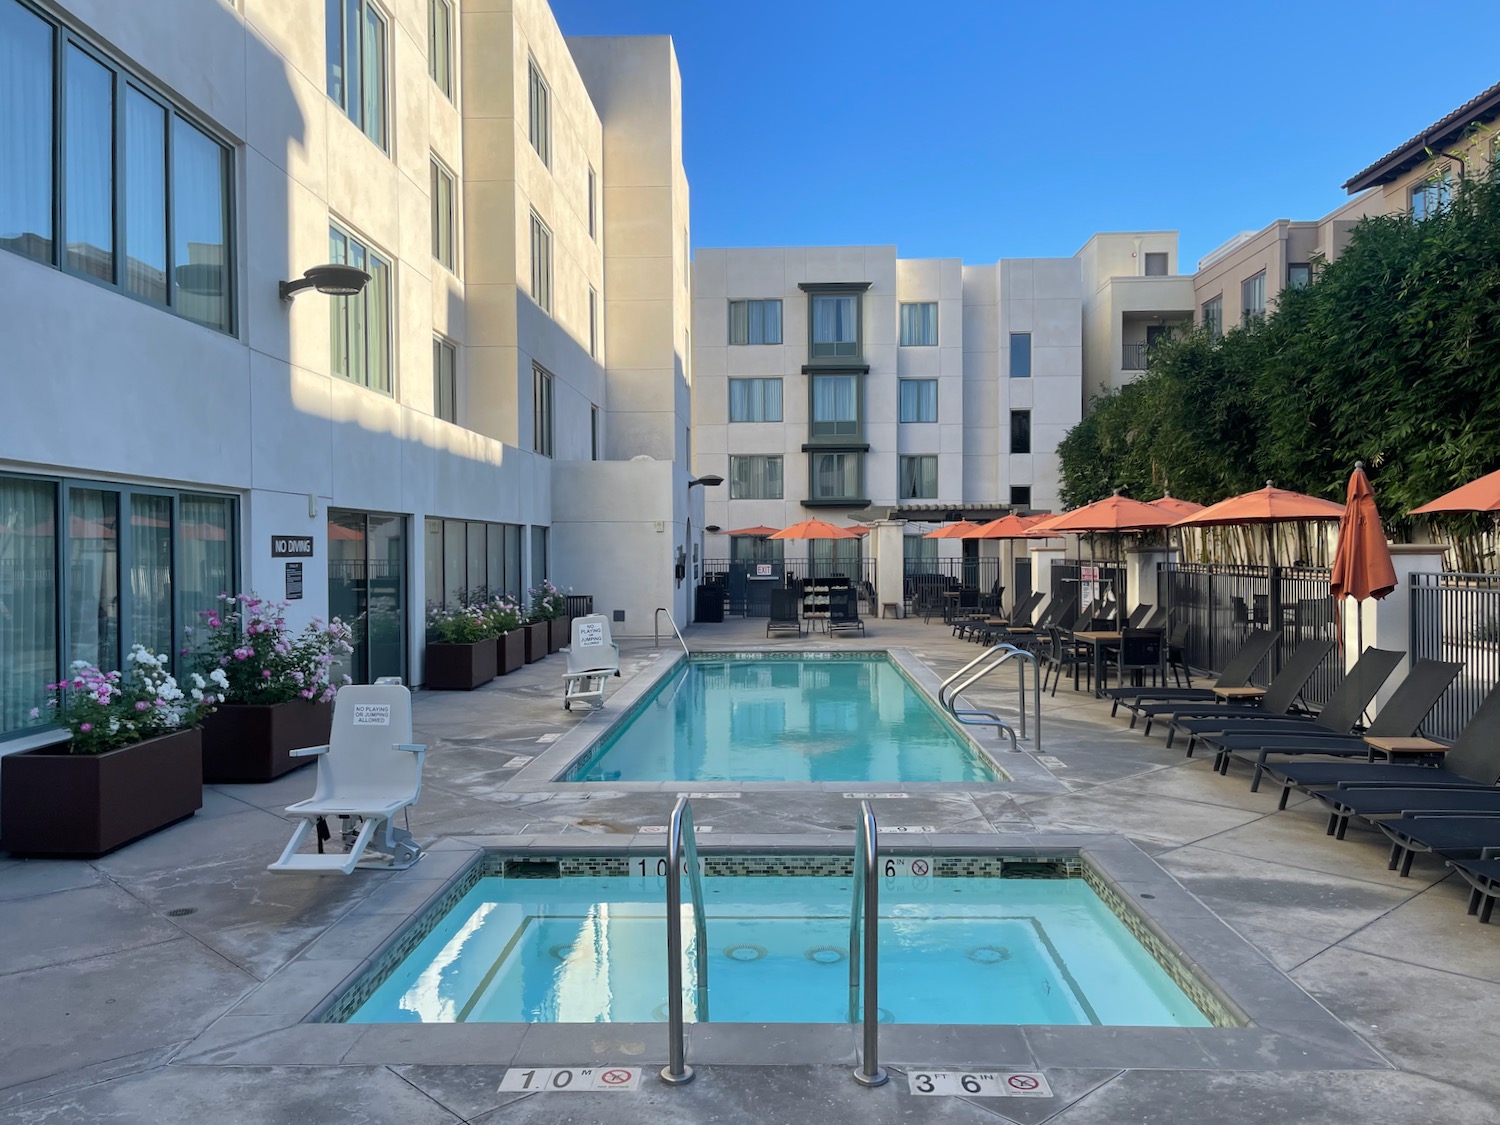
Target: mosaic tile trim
{"type": "Point", "coordinates": [779, 654]}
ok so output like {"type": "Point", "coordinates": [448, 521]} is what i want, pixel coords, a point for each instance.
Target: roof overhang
{"type": "Point", "coordinates": [1485, 107]}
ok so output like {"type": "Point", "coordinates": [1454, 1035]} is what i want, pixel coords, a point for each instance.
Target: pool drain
{"type": "Point", "coordinates": [745, 952]}
{"type": "Point", "coordinates": [562, 952]}
{"type": "Point", "coordinates": [989, 954]}
{"type": "Point", "coordinates": [825, 954]}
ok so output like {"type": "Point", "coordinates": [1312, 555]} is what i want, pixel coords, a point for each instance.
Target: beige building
{"type": "Point", "coordinates": [1132, 293]}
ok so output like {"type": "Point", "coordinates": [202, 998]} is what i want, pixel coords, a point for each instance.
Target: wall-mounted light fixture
{"type": "Point", "coordinates": [333, 279]}
{"type": "Point", "coordinates": [712, 527]}
{"type": "Point", "coordinates": [709, 479]}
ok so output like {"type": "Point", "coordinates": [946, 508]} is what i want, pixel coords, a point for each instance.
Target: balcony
{"type": "Point", "coordinates": [1135, 357]}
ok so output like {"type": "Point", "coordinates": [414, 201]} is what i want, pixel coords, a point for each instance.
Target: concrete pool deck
{"type": "Point", "coordinates": [116, 1008]}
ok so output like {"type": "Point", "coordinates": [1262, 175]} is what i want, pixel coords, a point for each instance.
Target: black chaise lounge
{"type": "Point", "coordinates": [785, 607]}
{"type": "Point", "coordinates": [843, 611]}
{"type": "Point", "coordinates": [1401, 717]}
{"type": "Point", "coordinates": [1483, 874]}
{"type": "Point", "coordinates": [1454, 837]}
{"type": "Point", "coordinates": [1237, 672]}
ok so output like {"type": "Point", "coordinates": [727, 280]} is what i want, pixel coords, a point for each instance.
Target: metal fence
{"type": "Point", "coordinates": [922, 578]}
{"type": "Point", "coordinates": [580, 605]}
{"type": "Point", "coordinates": [1088, 582]}
{"type": "Point", "coordinates": [1220, 604]}
{"type": "Point", "coordinates": [748, 585]}
{"type": "Point", "coordinates": [1457, 617]}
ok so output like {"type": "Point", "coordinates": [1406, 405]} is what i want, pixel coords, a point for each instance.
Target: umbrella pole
{"type": "Point", "coordinates": [1273, 594]}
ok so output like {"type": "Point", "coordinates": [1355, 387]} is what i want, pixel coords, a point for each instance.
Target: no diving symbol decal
{"type": "Point", "coordinates": [919, 867]}
{"type": "Point", "coordinates": [1022, 1083]}
{"type": "Point", "coordinates": [615, 1077]}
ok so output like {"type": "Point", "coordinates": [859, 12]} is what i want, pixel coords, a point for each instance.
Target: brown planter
{"type": "Point", "coordinates": [460, 667]}
{"type": "Point", "coordinates": [56, 803]}
{"type": "Point", "coordinates": [538, 635]}
{"type": "Point", "coordinates": [512, 651]}
{"type": "Point", "coordinates": [561, 633]}
{"type": "Point", "coordinates": [254, 741]}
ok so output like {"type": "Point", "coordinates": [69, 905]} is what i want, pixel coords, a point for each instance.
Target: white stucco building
{"type": "Point", "coordinates": [510, 387]}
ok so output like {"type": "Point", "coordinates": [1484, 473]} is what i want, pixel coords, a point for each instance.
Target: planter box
{"type": "Point", "coordinates": [56, 803]}
{"type": "Point", "coordinates": [460, 667]}
{"type": "Point", "coordinates": [254, 741]}
{"type": "Point", "coordinates": [511, 650]}
{"type": "Point", "coordinates": [538, 637]}
{"type": "Point", "coordinates": [562, 633]}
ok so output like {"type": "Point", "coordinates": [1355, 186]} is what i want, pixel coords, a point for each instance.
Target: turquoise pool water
{"type": "Point", "coordinates": [952, 951]}
{"type": "Point", "coordinates": [785, 720]}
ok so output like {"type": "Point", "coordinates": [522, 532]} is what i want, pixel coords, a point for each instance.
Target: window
{"type": "Point", "coordinates": [541, 410]}
{"type": "Point", "coordinates": [755, 322]}
{"type": "Point", "coordinates": [540, 563]}
{"type": "Point", "coordinates": [835, 406]}
{"type": "Point", "coordinates": [1020, 431]}
{"type": "Point", "coordinates": [356, 63]}
{"type": "Point", "coordinates": [469, 561]}
{"type": "Point", "coordinates": [918, 400]}
{"type": "Point", "coordinates": [593, 432]}
{"type": "Point", "coordinates": [109, 180]}
{"type": "Point", "coordinates": [918, 478]}
{"type": "Point", "coordinates": [835, 476]}
{"type": "Point", "coordinates": [361, 324]}
{"type": "Point", "coordinates": [835, 326]}
{"type": "Point", "coordinates": [444, 381]}
{"type": "Point", "coordinates": [440, 45]}
{"type": "Point", "coordinates": [1020, 355]}
{"type": "Point", "coordinates": [541, 264]}
{"type": "Point", "coordinates": [755, 478]}
{"type": "Point", "coordinates": [1253, 296]}
{"type": "Point", "coordinates": [756, 549]}
{"type": "Point", "coordinates": [593, 322]}
{"type": "Point", "coordinates": [755, 400]}
{"type": "Point", "coordinates": [540, 121]}
{"type": "Point", "coordinates": [1020, 496]}
{"type": "Point", "coordinates": [1298, 275]}
{"type": "Point", "coordinates": [1213, 315]}
{"type": "Point", "coordinates": [841, 557]}
{"type": "Point", "coordinates": [919, 324]}
{"type": "Point", "coordinates": [1431, 196]}
{"type": "Point", "coordinates": [919, 555]}
{"type": "Point", "coordinates": [593, 203]}
{"type": "Point", "coordinates": [442, 216]}
{"type": "Point", "coordinates": [1156, 265]}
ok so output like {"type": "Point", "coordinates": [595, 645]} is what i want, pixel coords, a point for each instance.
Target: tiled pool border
{"type": "Point", "coordinates": [1281, 1027]}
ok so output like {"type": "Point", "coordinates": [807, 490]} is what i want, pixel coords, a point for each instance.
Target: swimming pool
{"type": "Point", "coordinates": [802, 718]}
{"type": "Point", "coordinates": [954, 950]}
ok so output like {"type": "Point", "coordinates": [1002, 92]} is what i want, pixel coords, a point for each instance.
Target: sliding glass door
{"type": "Point", "coordinates": [367, 591]}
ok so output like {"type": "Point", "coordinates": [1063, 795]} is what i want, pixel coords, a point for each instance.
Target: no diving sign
{"type": "Point", "coordinates": [979, 1084]}
{"type": "Point", "coordinates": [561, 1079]}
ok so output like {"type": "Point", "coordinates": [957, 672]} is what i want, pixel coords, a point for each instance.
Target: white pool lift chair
{"type": "Point", "coordinates": [369, 769]}
{"type": "Point", "coordinates": [593, 657]}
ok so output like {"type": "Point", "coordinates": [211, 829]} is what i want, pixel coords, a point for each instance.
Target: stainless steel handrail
{"type": "Point", "coordinates": [681, 846]}
{"type": "Point", "coordinates": [656, 628]}
{"type": "Point", "coordinates": [866, 909]}
{"type": "Point", "coordinates": [1003, 646]}
{"type": "Point", "coordinates": [997, 655]}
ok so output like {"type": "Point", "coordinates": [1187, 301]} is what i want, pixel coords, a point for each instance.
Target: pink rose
{"type": "Point", "coordinates": [85, 727]}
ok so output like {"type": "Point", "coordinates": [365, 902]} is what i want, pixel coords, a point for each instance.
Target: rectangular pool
{"type": "Point", "coordinates": [953, 950]}
{"type": "Point", "coordinates": [787, 719]}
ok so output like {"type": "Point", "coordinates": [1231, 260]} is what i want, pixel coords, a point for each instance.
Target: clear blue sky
{"type": "Point", "coordinates": [984, 129]}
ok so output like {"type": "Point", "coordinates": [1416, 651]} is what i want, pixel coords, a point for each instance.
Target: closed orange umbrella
{"type": "Point", "coordinates": [952, 531]}
{"type": "Point", "coordinates": [1362, 565]}
{"type": "Point", "coordinates": [813, 529]}
{"type": "Point", "coordinates": [759, 530]}
{"type": "Point", "coordinates": [1482, 495]}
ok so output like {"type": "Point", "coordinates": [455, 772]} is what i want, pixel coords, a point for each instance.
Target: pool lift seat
{"type": "Point", "coordinates": [593, 658]}
{"type": "Point", "coordinates": [369, 770]}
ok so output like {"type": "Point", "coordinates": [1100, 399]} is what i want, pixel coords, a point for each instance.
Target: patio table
{"type": "Point", "coordinates": [1099, 641]}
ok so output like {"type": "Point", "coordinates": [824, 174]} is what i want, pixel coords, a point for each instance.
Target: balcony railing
{"type": "Point", "coordinates": [1135, 357]}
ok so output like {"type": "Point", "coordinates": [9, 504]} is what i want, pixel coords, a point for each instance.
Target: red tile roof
{"type": "Point", "coordinates": [1484, 107]}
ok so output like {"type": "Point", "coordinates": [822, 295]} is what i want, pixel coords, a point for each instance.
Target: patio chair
{"type": "Point", "coordinates": [1402, 715]}
{"type": "Point", "coordinates": [1141, 650]}
{"type": "Point", "coordinates": [1177, 654]}
{"type": "Point", "coordinates": [1483, 874]}
{"type": "Point", "coordinates": [1237, 672]}
{"type": "Point", "coordinates": [593, 657]}
{"type": "Point", "coordinates": [990, 632]}
{"type": "Point", "coordinates": [370, 770]}
{"type": "Point", "coordinates": [786, 606]}
{"type": "Point", "coordinates": [1059, 655]}
{"type": "Point", "coordinates": [843, 611]}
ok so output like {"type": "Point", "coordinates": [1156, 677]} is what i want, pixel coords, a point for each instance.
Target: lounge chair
{"type": "Point", "coordinates": [1483, 874]}
{"type": "Point", "coordinates": [843, 611]}
{"type": "Point", "coordinates": [1061, 654]}
{"type": "Point", "coordinates": [370, 769]}
{"type": "Point", "coordinates": [1455, 837]}
{"type": "Point", "coordinates": [786, 608]}
{"type": "Point", "coordinates": [1237, 673]}
{"type": "Point", "coordinates": [593, 657]}
{"type": "Point", "coordinates": [1401, 717]}
{"type": "Point", "coordinates": [1138, 615]}
{"type": "Point", "coordinates": [1473, 762]}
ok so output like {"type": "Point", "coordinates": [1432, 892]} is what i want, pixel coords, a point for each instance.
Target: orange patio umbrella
{"type": "Point", "coordinates": [759, 530]}
{"type": "Point", "coordinates": [813, 529]}
{"type": "Point", "coordinates": [1482, 495]}
{"type": "Point", "coordinates": [1180, 508]}
{"type": "Point", "coordinates": [952, 531]}
{"type": "Point", "coordinates": [1113, 513]}
{"type": "Point", "coordinates": [1009, 526]}
{"type": "Point", "coordinates": [1362, 565]}
{"type": "Point", "coordinates": [1264, 505]}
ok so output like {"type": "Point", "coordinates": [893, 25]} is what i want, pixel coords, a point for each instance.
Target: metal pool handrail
{"type": "Point", "coordinates": [682, 845]}
{"type": "Point", "coordinates": [976, 717]}
{"type": "Point", "coordinates": [656, 632]}
{"type": "Point", "coordinates": [865, 908]}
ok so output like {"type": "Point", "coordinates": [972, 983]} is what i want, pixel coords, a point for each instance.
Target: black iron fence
{"type": "Point", "coordinates": [1457, 617]}
{"type": "Point", "coordinates": [925, 579]}
{"type": "Point", "coordinates": [580, 605]}
{"type": "Point", "coordinates": [1220, 604]}
{"type": "Point", "coordinates": [747, 586]}
{"type": "Point", "coordinates": [1089, 582]}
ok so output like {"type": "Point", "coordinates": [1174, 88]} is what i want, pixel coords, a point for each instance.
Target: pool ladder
{"type": "Point", "coordinates": [980, 667]}
{"type": "Point", "coordinates": [656, 628]}
{"type": "Point", "coordinates": [682, 857]}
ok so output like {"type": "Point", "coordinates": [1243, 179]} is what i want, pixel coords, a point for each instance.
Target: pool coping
{"type": "Point", "coordinates": [1286, 1028]}
{"type": "Point", "coordinates": [1026, 774]}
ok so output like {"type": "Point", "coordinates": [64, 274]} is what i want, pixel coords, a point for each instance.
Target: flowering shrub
{"type": "Point", "coordinates": [503, 615]}
{"type": "Point", "coordinates": [547, 601]}
{"type": "Point", "coordinates": [248, 641]}
{"type": "Point", "coordinates": [108, 710]}
{"type": "Point", "coordinates": [463, 626]}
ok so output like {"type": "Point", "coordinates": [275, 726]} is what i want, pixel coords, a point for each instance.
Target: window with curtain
{"type": "Point", "coordinates": [919, 324]}
{"type": "Point", "coordinates": [541, 410]}
{"type": "Point", "coordinates": [755, 322]}
{"type": "Point", "coordinates": [1020, 355]}
{"type": "Point", "coordinates": [918, 475]}
{"type": "Point", "coordinates": [28, 594]}
{"type": "Point", "coordinates": [1298, 275]}
{"type": "Point", "coordinates": [835, 556]}
{"type": "Point", "coordinates": [355, 39]}
{"type": "Point", "coordinates": [539, 555]}
{"type": "Point", "coordinates": [1431, 196]}
{"type": "Point", "coordinates": [755, 400]}
{"type": "Point", "coordinates": [918, 400]}
{"type": "Point", "coordinates": [757, 549]}
{"type": "Point", "coordinates": [204, 561]}
{"type": "Point", "coordinates": [440, 44]}
{"type": "Point", "coordinates": [1213, 315]}
{"type": "Point", "coordinates": [470, 559]}
{"type": "Point", "coordinates": [835, 325]}
{"type": "Point", "coordinates": [443, 212]}
{"type": "Point", "coordinates": [835, 406]}
{"type": "Point", "coordinates": [755, 478]}
{"type": "Point", "coordinates": [444, 380]}
{"type": "Point", "coordinates": [361, 324]}
{"type": "Point", "coordinates": [1253, 294]}
{"type": "Point", "coordinates": [1020, 431]}
{"type": "Point", "coordinates": [116, 133]}
{"type": "Point", "coordinates": [918, 554]}
{"type": "Point", "coordinates": [150, 576]}
{"type": "Point", "coordinates": [835, 476]}
{"type": "Point", "coordinates": [541, 263]}
{"type": "Point", "coordinates": [539, 112]}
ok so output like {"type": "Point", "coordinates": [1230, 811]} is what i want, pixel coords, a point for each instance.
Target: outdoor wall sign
{"type": "Point", "coordinates": [291, 546]}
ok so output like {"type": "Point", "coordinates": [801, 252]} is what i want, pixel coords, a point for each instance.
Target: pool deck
{"type": "Point", "coordinates": [115, 1010]}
